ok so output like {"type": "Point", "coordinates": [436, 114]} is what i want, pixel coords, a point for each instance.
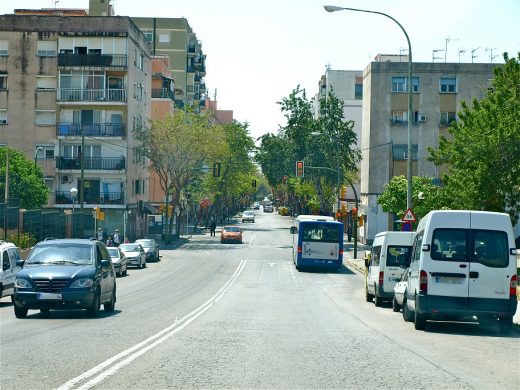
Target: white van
{"type": "Point", "coordinates": [463, 265]}
{"type": "Point", "coordinates": [9, 255]}
{"type": "Point", "coordinates": [389, 258]}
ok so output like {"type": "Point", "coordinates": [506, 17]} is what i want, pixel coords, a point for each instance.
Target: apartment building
{"type": "Point", "coordinates": [438, 92]}
{"type": "Point", "coordinates": [73, 89]}
{"type": "Point", "coordinates": [175, 38]}
{"type": "Point", "coordinates": [347, 85]}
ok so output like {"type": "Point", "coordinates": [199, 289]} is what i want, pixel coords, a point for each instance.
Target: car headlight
{"type": "Point", "coordinates": [82, 283]}
{"type": "Point", "coordinates": [22, 283]}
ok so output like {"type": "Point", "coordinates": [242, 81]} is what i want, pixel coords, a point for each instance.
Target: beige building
{"type": "Point", "coordinates": [438, 92]}
{"type": "Point", "coordinates": [62, 77]}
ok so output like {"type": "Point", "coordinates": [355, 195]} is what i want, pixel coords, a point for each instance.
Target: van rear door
{"type": "Point", "coordinates": [492, 265]}
{"type": "Point", "coordinates": [449, 269]}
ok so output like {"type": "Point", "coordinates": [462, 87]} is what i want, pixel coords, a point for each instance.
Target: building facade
{"type": "Point", "coordinates": [72, 90]}
{"type": "Point", "coordinates": [438, 92]}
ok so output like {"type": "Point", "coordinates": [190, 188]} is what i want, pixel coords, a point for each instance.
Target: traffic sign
{"type": "Point", "coordinates": [406, 227]}
{"type": "Point", "coordinates": [409, 216]}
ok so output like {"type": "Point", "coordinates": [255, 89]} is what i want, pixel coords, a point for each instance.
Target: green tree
{"type": "Point", "coordinates": [393, 198]}
{"type": "Point", "coordinates": [25, 179]}
{"type": "Point", "coordinates": [482, 153]}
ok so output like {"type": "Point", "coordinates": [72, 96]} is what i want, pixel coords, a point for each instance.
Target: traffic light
{"type": "Point", "coordinates": [300, 169]}
{"type": "Point", "coordinates": [253, 183]}
{"type": "Point", "coordinates": [216, 169]}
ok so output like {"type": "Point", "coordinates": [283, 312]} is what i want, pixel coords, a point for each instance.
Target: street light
{"type": "Point", "coordinates": [333, 8]}
{"type": "Point", "coordinates": [73, 193]}
{"type": "Point", "coordinates": [36, 154]}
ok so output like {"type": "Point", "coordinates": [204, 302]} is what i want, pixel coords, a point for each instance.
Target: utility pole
{"type": "Point", "coordinates": [82, 170]}
{"type": "Point", "coordinates": [6, 195]}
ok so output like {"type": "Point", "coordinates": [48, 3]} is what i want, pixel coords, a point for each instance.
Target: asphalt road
{"type": "Point", "coordinates": [240, 316]}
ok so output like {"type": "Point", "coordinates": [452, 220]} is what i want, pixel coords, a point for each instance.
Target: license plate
{"type": "Point", "coordinates": [49, 296]}
{"type": "Point", "coordinates": [445, 279]}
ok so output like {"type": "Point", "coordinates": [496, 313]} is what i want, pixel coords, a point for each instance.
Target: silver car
{"type": "Point", "coordinates": [119, 260]}
{"type": "Point", "coordinates": [151, 248]}
{"type": "Point", "coordinates": [248, 216]}
{"type": "Point", "coordinates": [134, 254]}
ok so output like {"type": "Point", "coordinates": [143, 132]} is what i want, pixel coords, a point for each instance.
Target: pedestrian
{"type": "Point", "coordinates": [349, 233]}
{"type": "Point", "coordinates": [126, 240]}
{"type": "Point", "coordinates": [213, 227]}
{"type": "Point", "coordinates": [117, 238]}
{"type": "Point", "coordinates": [100, 234]}
{"type": "Point", "coordinates": [110, 242]}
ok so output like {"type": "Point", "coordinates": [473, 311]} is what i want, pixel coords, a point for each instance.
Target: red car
{"type": "Point", "coordinates": [231, 234]}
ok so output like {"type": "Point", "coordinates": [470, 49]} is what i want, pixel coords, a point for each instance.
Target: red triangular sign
{"type": "Point", "coordinates": [409, 216]}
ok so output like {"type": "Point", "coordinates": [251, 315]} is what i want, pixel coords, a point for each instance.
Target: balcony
{"type": "Point", "coordinates": [95, 130]}
{"type": "Point", "coordinates": [64, 197]}
{"type": "Point", "coordinates": [91, 163]}
{"type": "Point", "coordinates": [91, 95]}
{"type": "Point", "coordinates": [162, 93]}
{"type": "Point", "coordinates": [398, 122]}
{"type": "Point", "coordinates": [95, 60]}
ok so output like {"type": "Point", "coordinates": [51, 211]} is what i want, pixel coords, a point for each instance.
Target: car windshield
{"type": "Point", "coordinates": [61, 254]}
{"type": "Point", "coordinates": [146, 243]}
{"type": "Point", "coordinates": [248, 213]}
{"type": "Point", "coordinates": [113, 252]}
{"type": "Point", "coordinates": [232, 229]}
{"type": "Point", "coordinates": [130, 247]}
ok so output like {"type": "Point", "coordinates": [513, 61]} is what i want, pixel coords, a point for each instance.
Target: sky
{"type": "Point", "coordinates": [259, 51]}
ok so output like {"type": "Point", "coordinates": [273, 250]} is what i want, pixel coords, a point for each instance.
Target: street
{"type": "Point", "coordinates": [212, 315]}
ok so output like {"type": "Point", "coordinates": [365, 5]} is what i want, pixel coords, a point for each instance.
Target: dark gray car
{"type": "Point", "coordinates": [66, 274]}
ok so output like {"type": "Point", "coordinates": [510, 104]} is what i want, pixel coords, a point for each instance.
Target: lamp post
{"type": "Point", "coordinates": [73, 194]}
{"type": "Point", "coordinates": [36, 154]}
{"type": "Point", "coordinates": [332, 8]}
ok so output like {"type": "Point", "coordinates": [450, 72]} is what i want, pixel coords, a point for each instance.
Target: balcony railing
{"type": "Point", "coordinates": [64, 197]}
{"type": "Point", "coordinates": [101, 95]}
{"type": "Point", "coordinates": [162, 93]}
{"type": "Point", "coordinates": [92, 163]}
{"type": "Point", "coordinates": [100, 60]}
{"type": "Point", "coordinates": [95, 130]}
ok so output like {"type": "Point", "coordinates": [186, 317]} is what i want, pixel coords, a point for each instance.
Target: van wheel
{"type": "Point", "coordinates": [419, 320]}
{"type": "Point", "coordinates": [505, 325]}
{"type": "Point", "coordinates": [368, 296]}
{"type": "Point", "coordinates": [407, 314]}
{"type": "Point", "coordinates": [395, 306]}
{"type": "Point", "coordinates": [20, 312]}
{"type": "Point", "coordinates": [377, 299]}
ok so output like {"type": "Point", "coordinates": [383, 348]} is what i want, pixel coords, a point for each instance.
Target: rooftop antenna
{"type": "Point", "coordinates": [448, 39]}
{"type": "Point", "coordinates": [55, 4]}
{"type": "Point", "coordinates": [403, 51]}
{"type": "Point", "coordinates": [491, 56]}
{"type": "Point", "coordinates": [434, 57]}
{"type": "Point", "coordinates": [461, 51]}
{"type": "Point", "coordinates": [473, 55]}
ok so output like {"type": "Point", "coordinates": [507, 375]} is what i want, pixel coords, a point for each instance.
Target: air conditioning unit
{"type": "Point", "coordinates": [422, 118]}
{"type": "Point", "coordinates": [66, 179]}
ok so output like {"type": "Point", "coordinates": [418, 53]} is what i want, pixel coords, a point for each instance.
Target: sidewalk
{"type": "Point", "coordinates": [359, 265]}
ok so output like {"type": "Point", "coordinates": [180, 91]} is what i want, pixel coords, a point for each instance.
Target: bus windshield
{"type": "Point", "coordinates": [320, 233]}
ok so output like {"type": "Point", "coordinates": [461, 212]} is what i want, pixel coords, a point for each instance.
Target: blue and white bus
{"type": "Point", "coordinates": [317, 241]}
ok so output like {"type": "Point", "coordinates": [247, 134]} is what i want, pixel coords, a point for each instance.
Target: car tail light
{"type": "Point", "coordinates": [299, 249]}
{"type": "Point", "coordinates": [341, 252]}
{"type": "Point", "coordinates": [512, 286]}
{"type": "Point", "coordinates": [381, 278]}
{"type": "Point", "coordinates": [423, 282]}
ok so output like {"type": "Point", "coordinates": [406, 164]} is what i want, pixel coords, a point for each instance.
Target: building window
{"type": "Point", "coordinates": [46, 48]}
{"type": "Point", "coordinates": [137, 187]}
{"type": "Point", "coordinates": [400, 84]}
{"type": "Point", "coordinates": [358, 91]}
{"type": "Point", "coordinates": [447, 118]}
{"type": "Point", "coordinates": [415, 84]}
{"type": "Point", "coordinates": [164, 38]}
{"type": "Point", "coordinates": [3, 82]}
{"type": "Point", "coordinates": [148, 35]}
{"type": "Point", "coordinates": [4, 48]}
{"type": "Point", "coordinates": [3, 117]}
{"type": "Point", "coordinates": [45, 152]}
{"type": "Point", "coordinates": [45, 117]}
{"type": "Point", "coordinates": [49, 183]}
{"type": "Point", "coordinates": [399, 117]}
{"type": "Point", "coordinates": [46, 82]}
{"type": "Point", "coordinates": [400, 152]}
{"type": "Point", "coordinates": [448, 85]}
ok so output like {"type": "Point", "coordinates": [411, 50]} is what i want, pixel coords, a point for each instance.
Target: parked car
{"type": "Point", "coordinates": [66, 274]}
{"type": "Point", "coordinates": [119, 260]}
{"type": "Point", "coordinates": [231, 234]}
{"type": "Point", "coordinates": [399, 291]}
{"type": "Point", "coordinates": [390, 256]}
{"type": "Point", "coordinates": [134, 254]}
{"type": "Point", "coordinates": [463, 266]}
{"type": "Point", "coordinates": [9, 255]}
{"type": "Point", "coordinates": [268, 208]}
{"type": "Point", "coordinates": [151, 248]}
{"type": "Point", "coordinates": [256, 205]}
{"type": "Point", "coordinates": [248, 216]}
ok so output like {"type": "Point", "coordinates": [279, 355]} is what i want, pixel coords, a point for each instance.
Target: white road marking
{"type": "Point", "coordinates": [144, 346]}
{"type": "Point", "coordinates": [251, 240]}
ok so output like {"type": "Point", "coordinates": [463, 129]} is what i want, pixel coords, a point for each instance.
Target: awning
{"type": "Point", "coordinates": [149, 209]}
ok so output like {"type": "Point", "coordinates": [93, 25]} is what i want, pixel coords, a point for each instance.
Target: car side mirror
{"type": "Point", "coordinates": [105, 263]}
{"type": "Point", "coordinates": [20, 263]}
{"type": "Point", "coordinates": [293, 229]}
{"type": "Point", "coordinates": [514, 251]}
{"type": "Point", "coordinates": [367, 263]}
